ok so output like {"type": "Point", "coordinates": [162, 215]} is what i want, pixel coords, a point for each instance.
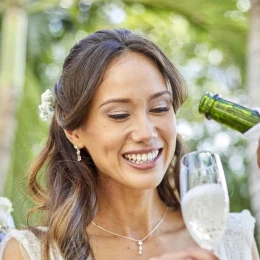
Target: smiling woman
{"type": "Point", "coordinates": [131, 116]}
{"type": "Point", "coordinates": [111, 161]}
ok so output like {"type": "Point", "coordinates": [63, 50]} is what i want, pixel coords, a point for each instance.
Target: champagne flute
{"type": "Point", "coordinates": [204, 197]}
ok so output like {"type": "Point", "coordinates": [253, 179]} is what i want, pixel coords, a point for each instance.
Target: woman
{"type": "Point", "coordinates": [112, 160]}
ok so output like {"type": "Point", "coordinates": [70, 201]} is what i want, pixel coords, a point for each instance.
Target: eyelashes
{"type": "Point", "coordinates": [160, 109]}
{"type": "Point", "coordinates": [124, 116]}
{"type": "Point", "coordinates": [119, 116]}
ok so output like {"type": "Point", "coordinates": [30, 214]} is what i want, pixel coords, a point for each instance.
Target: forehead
{"type": "Point", "coordinates": [130, 62]}
{"type": "Point", "coordinates": [130, 75]}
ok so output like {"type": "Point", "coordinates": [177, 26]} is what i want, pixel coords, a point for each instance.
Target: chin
{"type": "Point", "coordinates": [145, 182]}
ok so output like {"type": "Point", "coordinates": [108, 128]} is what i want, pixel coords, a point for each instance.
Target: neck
{"type": "Point", "coordinates": [128, 212]}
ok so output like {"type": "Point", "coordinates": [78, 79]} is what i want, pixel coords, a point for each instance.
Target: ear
{"type": "Point", "coordinates": [74, 138]}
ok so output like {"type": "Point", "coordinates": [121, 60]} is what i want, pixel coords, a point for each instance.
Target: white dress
{"type": "Point", "coordinates": [236, 243]}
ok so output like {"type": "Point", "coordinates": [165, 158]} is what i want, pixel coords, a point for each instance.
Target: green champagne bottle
{"type": "Point", "coordinates": [228, 113]}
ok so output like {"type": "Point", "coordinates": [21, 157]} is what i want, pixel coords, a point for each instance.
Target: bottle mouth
{"type": "Point", "coordinates": [206, 103]}
{"type": "Point", "coordinates": [203, 102]}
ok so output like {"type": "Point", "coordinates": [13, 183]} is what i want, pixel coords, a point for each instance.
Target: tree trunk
{"type": "Point", "coordinates": [13, 60]}
{"type": "Point", "coordinates": [253, 83]}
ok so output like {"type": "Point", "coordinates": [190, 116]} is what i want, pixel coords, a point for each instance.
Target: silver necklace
{"type": "Point", "coordinates": [139, 241]}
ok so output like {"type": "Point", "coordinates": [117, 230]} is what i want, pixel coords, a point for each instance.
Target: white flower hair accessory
{"type": "Point", "coordinates": [47, 106]}
{"type": "Point", "coordinates": [6, 208]}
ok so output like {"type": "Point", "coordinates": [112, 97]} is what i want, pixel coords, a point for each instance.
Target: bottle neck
{"type": "Point", "coordinates": [207, 103]}
{"type": "Point", "coordinates": [228, 113]}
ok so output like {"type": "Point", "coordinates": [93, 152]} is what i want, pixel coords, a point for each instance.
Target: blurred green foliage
{"type": "Point", "coordinates": [204, 39]}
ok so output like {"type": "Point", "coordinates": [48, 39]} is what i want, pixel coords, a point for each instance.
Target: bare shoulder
{"type": "Point", "coordinates": [12, 250]}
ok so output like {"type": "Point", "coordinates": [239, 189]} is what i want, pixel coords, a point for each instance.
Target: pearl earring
{"type": "Point", "coordinates": [78, 153]}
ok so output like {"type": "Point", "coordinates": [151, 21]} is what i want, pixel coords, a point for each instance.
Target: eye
{"type": "Point", "coordinates": [159, 110]}
{"type": "Point", "coordinates": [119, 116]}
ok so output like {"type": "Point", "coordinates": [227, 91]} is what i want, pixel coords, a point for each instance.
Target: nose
{"type": "Point", "coordinates": [144, 130]}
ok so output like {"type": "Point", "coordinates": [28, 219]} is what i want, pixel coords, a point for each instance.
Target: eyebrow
{"type": "Point", "coordinates": [128, 100]}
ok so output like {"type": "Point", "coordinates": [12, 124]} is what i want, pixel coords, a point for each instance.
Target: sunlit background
{"type": "Point", "coordinates": [206, 40]}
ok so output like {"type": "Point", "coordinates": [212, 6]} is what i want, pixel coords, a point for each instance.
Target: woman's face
{"type": "Point", "coordinates": [130, 131]}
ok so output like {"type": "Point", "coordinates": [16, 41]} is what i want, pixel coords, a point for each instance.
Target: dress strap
{"type": "Point", "coordinates": [238, 238]}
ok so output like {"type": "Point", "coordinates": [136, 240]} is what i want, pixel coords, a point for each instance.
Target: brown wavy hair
{"type": "Point", "coordinates": [68, 197]}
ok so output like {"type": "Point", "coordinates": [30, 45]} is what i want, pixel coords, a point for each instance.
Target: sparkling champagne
{"type": "Point", "coordinates": [228, 113]}
{"type": "Point", "coordinates": [205, 212]}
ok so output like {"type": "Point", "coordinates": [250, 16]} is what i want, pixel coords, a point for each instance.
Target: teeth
{"type": "Point", "coordinates": [149, 157]}
{"type": "Point", "coordinates": [142, 158]}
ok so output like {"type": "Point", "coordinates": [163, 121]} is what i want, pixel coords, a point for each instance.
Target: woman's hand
{"type": "Point", "coordinates": [189, 254]}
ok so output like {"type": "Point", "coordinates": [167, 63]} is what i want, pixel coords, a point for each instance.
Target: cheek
{"type": "Point", "coordinates": [172, 132]}
{"type": "Point", "coordinates": [171, 127]}
{"type": "Point", "coordinates": [169, 133]}
{"type": "Point", "coordinates": [101, 143]}
{"type": "Point", "coordinates": [102, 151]}
{"type": "Point", "coordinates": [172, 138]}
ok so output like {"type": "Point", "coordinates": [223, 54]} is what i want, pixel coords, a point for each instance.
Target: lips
{"type": "Point", "coordinates": [142, 158]}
